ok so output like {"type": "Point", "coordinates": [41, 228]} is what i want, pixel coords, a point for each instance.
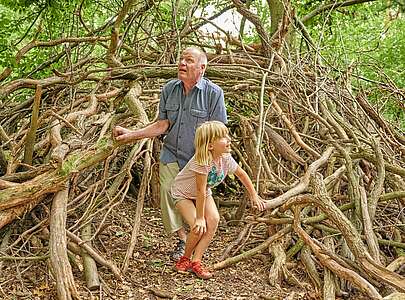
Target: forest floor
{"type": "Point", "coordinates": [151, 273]}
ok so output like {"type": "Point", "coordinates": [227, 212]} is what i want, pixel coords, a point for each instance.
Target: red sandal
{"type": "Point", "coordinates": [199, 270]}
{"type": "Point", "coordinates": [183, 264]}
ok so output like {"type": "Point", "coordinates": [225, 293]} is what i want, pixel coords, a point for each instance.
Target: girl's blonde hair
{"type": "Point", "coordinates": [205, 134]}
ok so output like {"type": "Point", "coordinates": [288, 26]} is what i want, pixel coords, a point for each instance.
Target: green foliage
{"type": "Point", "coordinates": [24, 21]}
{"type": "Point", "coordinates": [369, 39]}
{"type": "Point", "coordinates": [7, 26]}
{"type": "Point", "coordinates": [366, 37]}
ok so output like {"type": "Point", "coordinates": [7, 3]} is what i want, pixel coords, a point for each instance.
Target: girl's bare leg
{"type": "Point", "coordinates": [188, 211]}
{"type": "Point", "coordinates": [212, 220]}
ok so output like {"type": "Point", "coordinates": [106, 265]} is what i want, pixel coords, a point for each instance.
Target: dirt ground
{"type": "Point", "coordinates": [151, 274]}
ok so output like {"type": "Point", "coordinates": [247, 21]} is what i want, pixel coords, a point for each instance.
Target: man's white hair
{"type": "Point", "coordinates": [202, 57]}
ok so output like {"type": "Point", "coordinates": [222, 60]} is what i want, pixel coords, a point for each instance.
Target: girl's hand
{"type": "Point", "coordinates": [258, 202]}
{"type": "Point", "coordinates": [199, 226]}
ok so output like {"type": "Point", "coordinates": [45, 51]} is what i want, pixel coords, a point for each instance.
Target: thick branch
{"type": "Point", "coordinates": [254, 251]}
{"type": "Point", "coordinates": [65, 284]}
{"type": "Point", "coordinates": [115, 38]}
{"type": "Point", "coordinates": [30, 140]}
{"type": "Point", "coordinates": [292, 129]}
{"type": "Point", "coordinates": [331, 6]}
{"type": "Point", "coordinates": [98, 258]}
{"type": "Point", "coordinates": [264, 37]}
{"type": "Point", "coordinates": [304, 181]}
{"type": "Point", "coordinates": [352, 237]}
{"type": "Point", "coordinates": [328, 262]}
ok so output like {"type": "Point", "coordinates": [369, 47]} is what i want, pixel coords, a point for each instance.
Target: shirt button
{"type": "Point", "coordinates": [181, 123]}
{"type": "Point", "coordinates": [179, 136]}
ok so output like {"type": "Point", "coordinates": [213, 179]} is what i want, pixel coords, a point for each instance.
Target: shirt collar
{"type": "Point", "coordinates": [200, 83]}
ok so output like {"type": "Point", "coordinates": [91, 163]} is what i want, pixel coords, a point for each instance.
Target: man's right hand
{"type": "Point", "coordinates": [123, 135]}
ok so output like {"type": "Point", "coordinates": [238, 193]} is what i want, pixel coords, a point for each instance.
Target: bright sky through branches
{"type": "Point", "coordinates": [228, 21]}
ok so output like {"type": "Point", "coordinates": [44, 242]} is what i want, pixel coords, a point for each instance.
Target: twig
{"type": "Point", "coordinates": [252, 252]}
{"type": "Point", "coordinates": [139, 207]}
{"type": "Point", "coordinates": [98, 258]}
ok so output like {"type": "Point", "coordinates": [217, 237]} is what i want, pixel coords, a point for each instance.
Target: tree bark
{"type": "Point", "coordinates": [89, 265]}
{"type": "Point", "coordinates": [65, 284]}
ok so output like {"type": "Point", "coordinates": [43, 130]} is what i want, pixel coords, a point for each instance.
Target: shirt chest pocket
{"type": "Point", "coordinates": [200, 116]}
{"type": "Point", "coordinates": [172, 112]}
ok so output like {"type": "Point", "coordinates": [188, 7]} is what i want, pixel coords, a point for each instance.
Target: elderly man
{"type": "Point", "coordinates": [184, 104]}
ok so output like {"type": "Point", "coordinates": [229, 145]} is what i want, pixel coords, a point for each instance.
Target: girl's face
{"type": "Point", "coordinates": [221, 145]}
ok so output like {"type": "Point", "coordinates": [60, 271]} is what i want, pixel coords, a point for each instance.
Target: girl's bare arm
{"type": "Point", "coordinates": [256, 200]}
{"type": "Point", "coordinates": [199, 224]}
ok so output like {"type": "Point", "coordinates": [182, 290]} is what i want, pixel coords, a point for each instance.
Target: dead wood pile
{"type": "Point", "coordinates": [331, 167]}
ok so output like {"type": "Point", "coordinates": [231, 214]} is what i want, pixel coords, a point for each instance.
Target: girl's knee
{"type": "Point", "coordinates": [212, 221]}
{"type": "Point", "coordinates": [214, 217]}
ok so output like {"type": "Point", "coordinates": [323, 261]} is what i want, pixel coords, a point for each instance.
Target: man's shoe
{"type": "Point", "coordinates": [200, 271]}
{"type": "Point", "coordinates": [178, 250]}
{"type": "Point", "coordinates": [183, 264]}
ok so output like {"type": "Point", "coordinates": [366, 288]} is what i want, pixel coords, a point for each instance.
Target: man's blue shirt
{"type": "Point", "coordinates": [205, 102]}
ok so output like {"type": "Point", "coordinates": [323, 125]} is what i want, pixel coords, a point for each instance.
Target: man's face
{"type": "Point", "coordinates": [190, 69]}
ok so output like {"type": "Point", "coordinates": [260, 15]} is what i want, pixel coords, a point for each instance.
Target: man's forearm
{"type": "Point", "coordinates": [155, 129]}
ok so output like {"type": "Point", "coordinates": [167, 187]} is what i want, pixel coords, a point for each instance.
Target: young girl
{"type": "Point", "coordinates": [191, 191]}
